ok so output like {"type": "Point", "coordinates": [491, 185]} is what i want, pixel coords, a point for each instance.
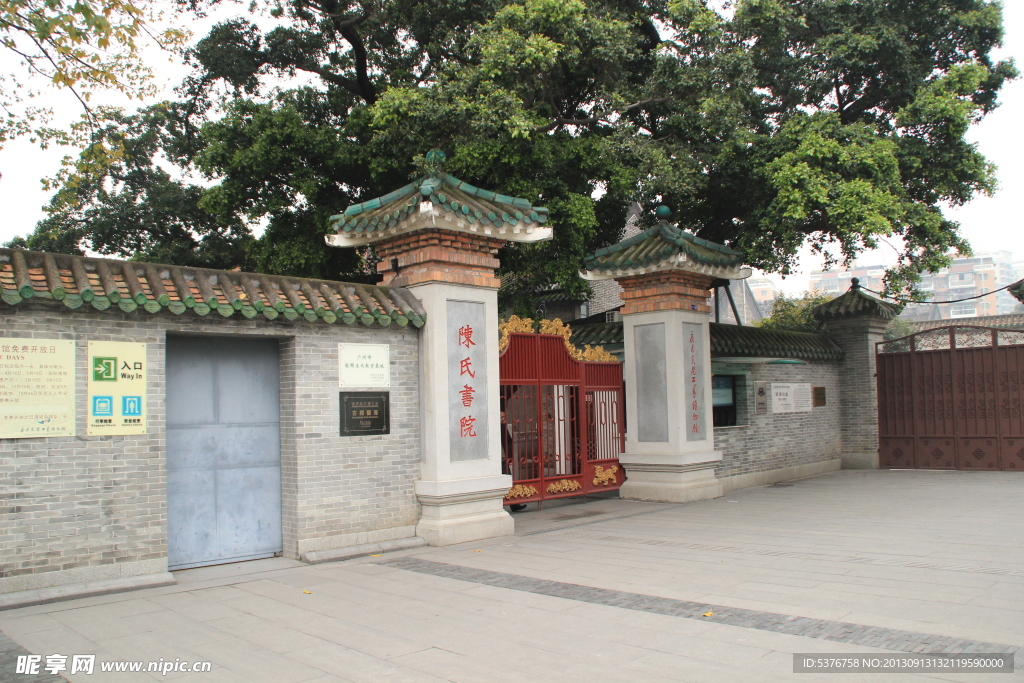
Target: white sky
{"type": "Point", "coordinates": [988, 223]}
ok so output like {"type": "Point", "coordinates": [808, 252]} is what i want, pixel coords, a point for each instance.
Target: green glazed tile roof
{"type": "Point", "coordinates": [1017, 290]}
{"type": "Point", "coordinates": [731, 341]}
{"type": "Point", "coordinates": [661, 246]}
{"type": "Point", "coordinates": [459, 202]}
{"type": "Point", "coordinates": [854, 303]}
{"type": "Point", "coordinates": [130, 286]}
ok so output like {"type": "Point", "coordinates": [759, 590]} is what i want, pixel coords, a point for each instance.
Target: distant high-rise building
{"type": "Point", "coordinates": [953, 289]}
{"type": "Point", "coordinates": [765, 292]}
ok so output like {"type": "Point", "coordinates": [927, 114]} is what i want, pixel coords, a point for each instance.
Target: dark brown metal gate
{"type": "Point", "coordinates": [562, 420]}
{"type": "Point", "coordinates": [951, 398]}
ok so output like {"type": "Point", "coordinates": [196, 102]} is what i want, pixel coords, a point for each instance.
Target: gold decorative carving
{"type": "Point", "coordinates": [604, 476]}
{"type": "Point", "coordinates": [564, 486]}
{"type": "Point", "coordinates": [556, 327]}
{"type": "Point", "coordinates": [513, 324]}
{"type": "Point", "coordinates": [521, 491]}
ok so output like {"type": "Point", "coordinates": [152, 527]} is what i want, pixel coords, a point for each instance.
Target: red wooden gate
{"type": "Point", "coordinates": [951, 398]}
{"type": "Point", "coordinates": [562, 426]}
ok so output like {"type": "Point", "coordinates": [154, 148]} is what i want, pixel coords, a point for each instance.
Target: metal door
{"type": "Point", "coordinates": [223, 450]}
{"type": "Point", "coordinates": [951, 398]}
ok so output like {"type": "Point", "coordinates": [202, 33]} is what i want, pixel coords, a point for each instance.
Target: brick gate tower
{"type": "Point", "coordinates": [666, 275]}
{"type": "Point", "coordinates": [437, 237]}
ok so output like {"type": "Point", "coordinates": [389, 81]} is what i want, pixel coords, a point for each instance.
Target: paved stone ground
{"type": "Point", "coordinates": [867, 562]}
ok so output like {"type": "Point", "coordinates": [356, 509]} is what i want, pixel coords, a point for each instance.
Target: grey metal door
{"type": "Point", "coordinates": [223, 450]}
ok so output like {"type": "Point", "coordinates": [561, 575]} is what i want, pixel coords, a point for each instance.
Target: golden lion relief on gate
{"type": "Point", "coordinates": [604, 476]}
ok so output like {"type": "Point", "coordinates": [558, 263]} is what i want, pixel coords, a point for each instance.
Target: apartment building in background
{"type": "Point", "coordinates": [764, 292]}
{"type": "Point", "coordinates": [976, 276]}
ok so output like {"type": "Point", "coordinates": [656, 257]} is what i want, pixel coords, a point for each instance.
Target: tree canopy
{"type": "Point", "coordinates": [795, 313]}
{"type": "Point", "coordinates": [836, 123]}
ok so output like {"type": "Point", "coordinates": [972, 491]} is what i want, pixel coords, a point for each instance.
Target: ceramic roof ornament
{"type": "Point", "coordinates": [439, 200]}
{"type": "Point", "coordinates": [665, 247]}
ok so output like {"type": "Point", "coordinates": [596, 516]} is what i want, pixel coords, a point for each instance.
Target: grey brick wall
{"type": "Point", "coordinates": [82, 508]}
{"type": "Point", "coordinates": [857, 338]}
{"type": "Point", "coordinates": [761, 443]}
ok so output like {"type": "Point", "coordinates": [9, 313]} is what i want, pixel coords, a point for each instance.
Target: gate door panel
{"type": "Point", "coordinates": [562, 431]}
{"type": "Point", "coordinates": [223, 450]}
{"type": "Point", "coordinates": [950, 398]}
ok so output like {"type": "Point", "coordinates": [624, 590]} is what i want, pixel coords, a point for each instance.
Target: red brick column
{"type": "Point", "coordinates": [665, 291]}
{"type": "Point", "coordinates": [439, 256]}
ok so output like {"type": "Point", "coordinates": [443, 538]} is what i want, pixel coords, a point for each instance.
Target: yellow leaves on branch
{"type": "Point", "coordinates": [80, 45]}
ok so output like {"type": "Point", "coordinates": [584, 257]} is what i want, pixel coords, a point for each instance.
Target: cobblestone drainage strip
{"type": "Point", "coordinates": [838, 631]}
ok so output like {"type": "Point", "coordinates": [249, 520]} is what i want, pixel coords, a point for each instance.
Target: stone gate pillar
{"type": "Point", "coordinates": [437, 237]}
{"type": "Point", "coordinates": [666, 276]}
{"type": "Point", "coordinates": [856, 321]}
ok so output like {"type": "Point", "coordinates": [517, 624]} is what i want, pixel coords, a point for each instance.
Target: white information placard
{"type": "Point", "coordinates": [117, 387]}
{"type": "Point", "coordinates": [37, 388]}
{"type": "Point", "coordinates": [364, 365]}
{"type": "Point", "coordinates": [791, 398]}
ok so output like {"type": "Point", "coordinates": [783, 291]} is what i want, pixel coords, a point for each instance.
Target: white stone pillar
{"type": "Point", "coordinates": [461, 486]}
{"type": "Point", "coordinates": [670, 453]}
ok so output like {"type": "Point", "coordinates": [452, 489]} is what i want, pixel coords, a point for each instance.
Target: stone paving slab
{"type": "Point", "coordinates": [606, 590]}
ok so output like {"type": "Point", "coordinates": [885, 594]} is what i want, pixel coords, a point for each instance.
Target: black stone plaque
{"type": "Point", "coordinates": [365, 412]}
{"type": "Point", "coordinates": [818, 396]}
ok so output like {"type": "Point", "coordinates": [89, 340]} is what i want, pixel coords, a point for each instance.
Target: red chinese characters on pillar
{"type": "Point", "coordinates": [467, 393]}
{"type": "Point", "coordinates": [694, 406]}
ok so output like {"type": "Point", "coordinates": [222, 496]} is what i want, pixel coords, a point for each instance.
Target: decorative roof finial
{"type": "Point", "coordinates": [435, 157]}
{"type": "Point", "coordinates": [855, 283]}
{"type": "Point", "coordinates": [663, 212]}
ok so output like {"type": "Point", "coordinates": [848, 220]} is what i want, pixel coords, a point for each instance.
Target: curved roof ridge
{"type": "Point", "coordinates": [855, 302]}
{"type": "Point", "coordinates": [467, 207]}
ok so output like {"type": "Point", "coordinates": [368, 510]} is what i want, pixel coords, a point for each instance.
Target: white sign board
{"type": "Point", "coordinates": [364, 365]}
{"type": "Point", "coordinates": [791, 398]}
{"type": "Point", "coordinates": [117, 387]}
{"type": "Point", "coordinates": [37, 388]}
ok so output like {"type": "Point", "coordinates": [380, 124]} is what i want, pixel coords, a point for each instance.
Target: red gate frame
{"type": "Point", "coordinates": [541, 360]}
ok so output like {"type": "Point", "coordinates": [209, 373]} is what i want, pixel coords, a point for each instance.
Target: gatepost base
{"type": "Point", "coordinates": [865, 460]}
{"type": "Point", "coordinates": [464, 510]}
{"type": "Point", "coordinates": [682, 478]}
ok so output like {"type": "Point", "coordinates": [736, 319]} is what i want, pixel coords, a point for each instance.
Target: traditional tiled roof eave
{"type": "Point", "coordinates": [732, 341]}
{"type": "Point", "coordinates": [853, 304]}
{"type": "Point", "coordinates": [439, 200]}
{"type": "Point", "coordinates": [1017, 291]}
{"type": "Point", "coordinates": [662, 248]}
{"type": "Point", "coordinates": [79, 282]}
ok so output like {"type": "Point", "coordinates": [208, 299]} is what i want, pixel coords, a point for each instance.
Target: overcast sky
{"type": "Point", "coordinates": [989, 223]}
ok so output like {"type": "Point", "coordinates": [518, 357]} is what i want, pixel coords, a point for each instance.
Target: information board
{"type": "Point", "coordinates": [791, 398]}
{"type": "Point", "coordinates": [116, 397]}
{"type": "Point", "coordinates": [37, 388]}
{"type": "Point", "coordinates": [364, 365]}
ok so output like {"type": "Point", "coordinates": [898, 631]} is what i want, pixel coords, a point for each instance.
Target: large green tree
{"type": "Point", "coordinates": [829, 122]}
